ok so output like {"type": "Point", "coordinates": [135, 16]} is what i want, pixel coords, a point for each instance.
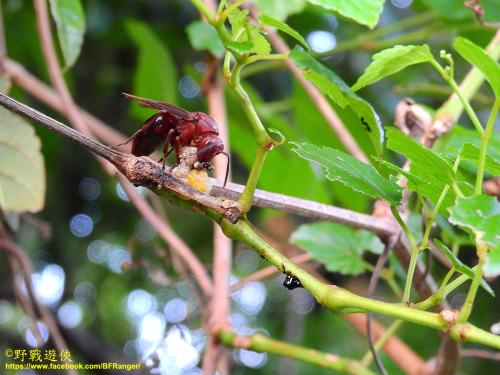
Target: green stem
{"type": "Point", "coordinates": [260, 132]}
{"type": "Point", "coordinates": [448, 78]}
{"type": "Point", "coordinates": [437, 297]}
{"type": "Point", "coordinates": [485, 139]}
{"type": "Point", "coordinates": [223, 16]}
{"type": "Point", "coordinates": [432, 217]}
{"type": "Point", "coordinates": [274, 56]}
{"type": "Point", "coordinates": [413, 258]}
{"type": "Point", "coordinates": [246, 198]}
{"type": "Point", "coordinates": [452, 109]}
{"type": "Point", "coordinates": [389, 332]}
{"type": "Point", "coordinates": [466, 309]}
{"type": "Point", "coordinates": [261, 343]}
{"type": "Point", "coordinates": [205, 10]}
{"type": "Point", "coordinates": [261, 67]}
{"type": "Point", "coordinates": [456, 283]}
{"type": "Point", "coordinates": [337, 299]}
{"type": "Point", "coordinates": [435, 211]}
{"type": "Point", "coordinates": [264, 141]}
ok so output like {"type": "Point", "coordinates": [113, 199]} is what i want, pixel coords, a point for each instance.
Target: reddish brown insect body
{"type": "Point", "coordinates": [175, 128]}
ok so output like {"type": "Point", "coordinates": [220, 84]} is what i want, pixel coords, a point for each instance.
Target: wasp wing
{"type": "Point", "coordinates": [171, 109]}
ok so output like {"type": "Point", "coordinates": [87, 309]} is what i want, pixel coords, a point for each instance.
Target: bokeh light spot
{"type": "Point", "coordinates": [140, 302]}
{"type": "Point", "coordinates": [30, 337]}
{"type": "Point", "coordinates": [89, 189]}
{"type": "Point", "coordinates": [49, 284]}
{"type": "Point", "coordinates": [251, 297]}
{"type": "Point", "coordinates": [117, 258]}
{"type": "Point", "coordinates": [175, 310]}
{"type": "Point", "coordinates": [188, 87]}
{"type": "Point", "coordinates": [81, 225]}
{"type": "Point", "coordinates": [70, 314]}
{"type": "Point", "coordinates": [250, 358]}
{"type": "Point", "coordinates": [321, 41]}
{"type": "Point", "coordinates": [85, 293]}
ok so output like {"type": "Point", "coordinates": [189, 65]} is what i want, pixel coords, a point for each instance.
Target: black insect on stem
{"type": "Point", "coordinates": [291, 282]}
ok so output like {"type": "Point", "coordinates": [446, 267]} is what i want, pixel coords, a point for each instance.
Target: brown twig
{"type": "Point", "coordinates": [23, 300]}
{"type": "Point", "coordinates": [217, 357]}
{"type": "Point", "coordinates": [480, 353]}
{"type": "Point", "coordinates": [45, 314]}
{"type": "Point", "coordinates": [262, 198]}
{"type": "Point", "coordinates": [34, 86]}
{"type": "Point", "coordinates": [138, 170]}
{"type": "Point", "coordinates": [477, 8]}
{"type": "Point", "coordinates": [399, 352]}
{"type": "Point", "coordinates": [371, 290]}
{"type": "Point", "coordinates": [55, 73]}
{"type": "Point", "coordinates": [310, 209]}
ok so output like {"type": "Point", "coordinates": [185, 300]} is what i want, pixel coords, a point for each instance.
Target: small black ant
{"type": "Point", "coordinates": [291, 282]}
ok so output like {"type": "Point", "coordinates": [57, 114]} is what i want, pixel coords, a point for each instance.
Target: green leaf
{"type": "Point", "coordinates": [471, 152]}
{"type": "Point", "coordinates": [353, 173]}
{"type": "Point", "coordinates": [391, 61]}
{"type": "Point", "coordinates": [262, 46]}
{"type": "Point", "coordinates": [155, 75]}
{"type": "Point", "coordinates": [481, 215]}
{"type": "Point", "coordinates": [70, 20]}
{"type": "Point", "coordinates": [459, 135]}
{"type": "Point", "coordinates": [325, 79]}
{"type": "Point", "coordinates": [280, 9]}
{"type": "Point", "coordinates": [365, 12]}
{"type": "Point", "coordinates": [249, 40]}
{"type": "Point", "coordinates": [333, 86]}
{"type": "Point", "coordinates": [22, 172]}
{"type": "Point", "coordinates": [460, 267]}
{"type": "Point", "coordinates": [238, 20]}
{"type": "Point", "coordinates": [340, 248]}
{"type": "Point", "coordinates": [304, 113]}
{"type": "Point", "coordinates": [204, 37]}
{"type": "Point", "coordinates": [411, 177]}
{"type": "Point", "coordinates": [420, 155]}
{"type": "Point", "coordinates": [432, 169]}
{"type": "Point", "coordinates": [241, 47]}
{"type": "Point", "coordinates": [268, 20]}
{"type": "Point", "coordinates": [476, 56]}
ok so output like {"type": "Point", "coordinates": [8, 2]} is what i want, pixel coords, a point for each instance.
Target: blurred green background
{"type": "Point", "coordinates": [142, 47]}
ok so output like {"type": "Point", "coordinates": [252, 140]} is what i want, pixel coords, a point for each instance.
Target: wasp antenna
{"type": "Point", "coordinates": [227, 167]}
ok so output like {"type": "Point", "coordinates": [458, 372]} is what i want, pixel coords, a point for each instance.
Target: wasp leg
{"type": "Point", "coordinates": [166, 152]}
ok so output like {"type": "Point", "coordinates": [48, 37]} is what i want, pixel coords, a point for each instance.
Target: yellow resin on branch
{"type": "Point", "coordinates": [199, 180]}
